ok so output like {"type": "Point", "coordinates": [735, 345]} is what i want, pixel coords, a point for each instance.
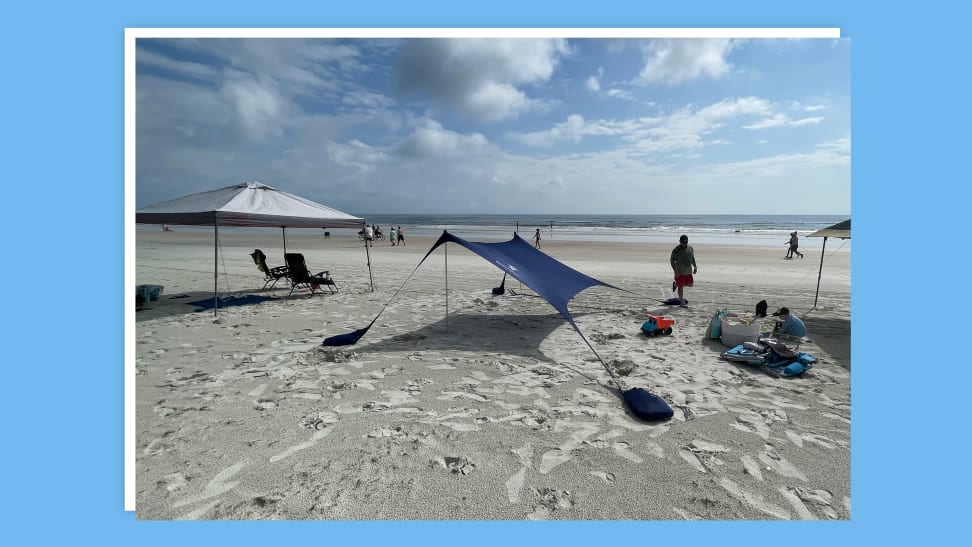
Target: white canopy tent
{"type": "Point", "coordinates": [248, 204]}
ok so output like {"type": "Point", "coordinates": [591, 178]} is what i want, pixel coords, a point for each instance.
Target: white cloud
{"type": "Point", "coordinates": [622, 94]}
{"type": "Point", "coordinates": [259, 107]}
{"type": "Point", "coordinates": [432, 140]}
{"type": "Point", "coordinates": [594, 82]}
{"type": "Point", "coordinates": [781, 120]}
{"type": "Point", "coordinates": [478, 78]}
{"type": "Point", "coordinates": [672, 62]}
{"type": "Point", "coordinates": [682, 130]}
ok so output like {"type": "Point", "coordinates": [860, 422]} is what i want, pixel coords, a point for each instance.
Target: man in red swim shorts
{"type": "Point", "coordinates": [683, 264]}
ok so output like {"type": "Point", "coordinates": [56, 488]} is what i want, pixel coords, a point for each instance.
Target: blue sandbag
{"type": "Point", "coordinates": [646, 406]}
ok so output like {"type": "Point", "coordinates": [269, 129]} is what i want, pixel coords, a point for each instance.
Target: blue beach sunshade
{"type": "Point", "coordinates": [553, 281]}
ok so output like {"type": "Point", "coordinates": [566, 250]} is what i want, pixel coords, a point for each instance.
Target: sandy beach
{"type": "Point", "coordinates": [496, 411]}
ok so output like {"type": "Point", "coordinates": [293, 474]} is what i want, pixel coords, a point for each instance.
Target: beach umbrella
{"type": "Point", "coordinates": [248, 204]}
{"type": "Point", "coordinates": [841, 230]}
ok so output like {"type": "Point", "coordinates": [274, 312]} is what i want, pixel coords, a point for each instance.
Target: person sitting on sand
{"type": "Point", "coordinates": [790, 325]}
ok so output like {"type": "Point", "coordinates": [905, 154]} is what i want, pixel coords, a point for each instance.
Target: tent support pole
{"type": "Point", "coordinates": [216, 267]}
{"type": "Point", "coordinates": [283, 229]}
{"type": "Point", "coordinates": [368, 257]}
{"type": "Point", "coordinates": [820, 272]}
{"type": "Point", "coordinates": [371, 277]}
{"type": "Point", "coordinates": [447, 284]}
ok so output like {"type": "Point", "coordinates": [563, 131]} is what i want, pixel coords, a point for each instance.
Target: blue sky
{"type": "Point", "coordinates": [625, 126]}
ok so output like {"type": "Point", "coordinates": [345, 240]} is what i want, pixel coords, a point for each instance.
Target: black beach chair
{"type": "Point", "coordinates": [272, 274]}
{"type": "Point", "coordinates": [300, 276]}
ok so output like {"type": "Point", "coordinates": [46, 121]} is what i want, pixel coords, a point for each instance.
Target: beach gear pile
{"type": "Point", "coordinates": [772, 355]}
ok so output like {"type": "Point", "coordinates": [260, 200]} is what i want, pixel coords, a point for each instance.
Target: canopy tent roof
{"type": "Point", "coordinates": [247, 204]}
{"type": "Point", "coordinates": [841, 230]}
{"type": "Point", "coordinates": [551, 279]}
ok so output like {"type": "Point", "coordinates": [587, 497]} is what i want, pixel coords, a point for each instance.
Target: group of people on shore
{"type": "Point", "coordinates": [684, 267]}
{"type": "Point", "coordinates": [372, 232]}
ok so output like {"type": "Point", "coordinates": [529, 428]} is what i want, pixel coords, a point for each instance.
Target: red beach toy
{"type": "Point", "coordinates": [657, 324]}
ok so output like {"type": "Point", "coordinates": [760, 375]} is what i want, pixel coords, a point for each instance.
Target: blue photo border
{"type": "Point", "coordinates": [64, 142]}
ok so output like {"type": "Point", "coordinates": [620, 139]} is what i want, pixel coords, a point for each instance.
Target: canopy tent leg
{"type": "Point", "coordinates": [283, 229]}
{"type": "Point", "coordinates": [446, 252]}
{"type": "Point", "coordinates": [216, 268]}
{"type": "Point", "coordinates": [820, 272]}
{"type": "Point", "coordinates": [371, 277]}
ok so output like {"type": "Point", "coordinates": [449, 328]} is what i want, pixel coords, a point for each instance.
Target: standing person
{"type": "Point", "coordinates": [683, 264]}
{"type": "Point", "coordinates": [794, 243]}
{"type": "Point", "coordinates": [369, 235]}
{"type": "Point", "coordinates": [401, 236]}
{"type": "Point", "coordinates": [393, 235]}
{"type": "Point", "coordinates": [536, 239]}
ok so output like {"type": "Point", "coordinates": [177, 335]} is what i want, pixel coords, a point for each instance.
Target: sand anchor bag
{"type": "Point", "coordinates": [648, 407]}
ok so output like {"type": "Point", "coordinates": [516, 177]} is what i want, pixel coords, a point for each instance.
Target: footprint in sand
{"type": "Point", "coordinates": [604, 476]}
{"type": "Point", "coordinates": [218, 485]}
{"type": "Point", "coordinates": [799, 497]}
{"type": "Point", "coordinates": [751, 467]}
{"type": "Point", "coordinates": [778, 463]}
{"type": "Point", "coordinates": [753, 500]}
{"type": "Point", "coordinates": [457, 465]}
{"type": "Point", "coordinates": [514, 486]}
{"type": "Point", "coordinates": [550, 500]}
{"type": "Point", "coordinates": [264, 404]}
{"type": "Point", "coordinates": [624, 450]}
{"type": "Point", "coordinates": [553, 458]}
{"type": "Point", "coordinates": [302, 446]}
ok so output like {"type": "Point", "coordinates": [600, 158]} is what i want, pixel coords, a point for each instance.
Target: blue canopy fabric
{"type": "Point", "coordinates": [551, 279]}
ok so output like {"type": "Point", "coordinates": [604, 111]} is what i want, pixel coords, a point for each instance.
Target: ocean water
{"type": "Point", "coordinates": [759, 230]}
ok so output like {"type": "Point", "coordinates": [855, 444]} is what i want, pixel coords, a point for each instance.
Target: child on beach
{"type": "Point", "coordinates": [683, 264]}
{"type": "Point", "coordinates": [536, 239]}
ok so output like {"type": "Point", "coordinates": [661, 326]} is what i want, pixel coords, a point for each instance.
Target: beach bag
{"type": "Point", "coordinates": [761, 308]}
{"type": "Point", "coordinates": [715, 326]}
{"type": "Point", "coordinates": [648, 407]}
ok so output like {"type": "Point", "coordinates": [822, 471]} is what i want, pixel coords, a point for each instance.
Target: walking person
{"type": "Point", "coordinates": [401, 236]}
{"type": "Point", "coordinates": [536, 239]}
{"type": "Point", "coordinates": [683, 265]}
{"type": "Point", "coordinates": [393, 235]}
{"type": "Point", "coordinates": [369, 235]}
{"type": "Point", "coordinates": [794, 243]}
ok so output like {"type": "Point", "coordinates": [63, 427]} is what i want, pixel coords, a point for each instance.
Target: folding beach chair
{"type": "Point", "coordinates": [272, 274]}
{"type": "Point", "coordinates": [300, 276]}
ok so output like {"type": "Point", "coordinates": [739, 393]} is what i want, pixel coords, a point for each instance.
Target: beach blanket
{"type": "Point", "coordinates": [229, 300]}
